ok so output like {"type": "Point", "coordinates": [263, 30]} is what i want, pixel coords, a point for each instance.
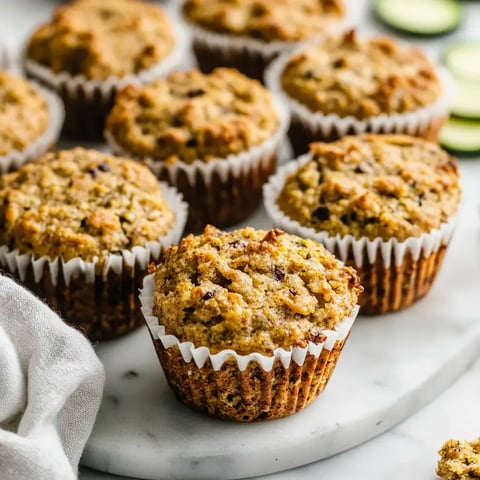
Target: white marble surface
{"type": "Point", "coordinates": [450, 341]}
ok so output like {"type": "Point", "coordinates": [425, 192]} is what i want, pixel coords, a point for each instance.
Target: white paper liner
{"type": "Point", "coordinates": [425, 245]}
{"type": "Point", "coordinates": [200, 355]}
{"type": "Point", "coordinates": [141, 256]}
{"type": "Point", "coordinates": [241, 44]}
{"type": "Point", "coordinates": [223, 167]}
{"type": "Point", "coordinates": [73, 84]}
{"type": "Point", "coordinates": [15, 159]}
{"type": "Point", "coordinates": [410, 123]}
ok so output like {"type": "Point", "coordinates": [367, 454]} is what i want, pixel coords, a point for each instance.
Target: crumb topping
{"type": "Point", "coordinates": [459, 460]}
{"type": "Point", "coordinates": [81, 203]}
{"type": "Point", "coordinates": [252, 290]}
{"type": "Point", "coordinates": [374, 186]}
{"type": "Point", "coordinates": [191, 115]}
{"type": "Point", "coordinates": [24, 114]}
{"type": "Point", "coordinates": [362, 78]}
{"type": "Point", "coordinates": [103, 38]}
{"type": "Point", "coordinates": [286, 20]}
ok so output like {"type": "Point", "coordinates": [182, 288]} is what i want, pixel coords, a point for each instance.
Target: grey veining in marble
{"type": "Point", "coordinates": [392, 365]}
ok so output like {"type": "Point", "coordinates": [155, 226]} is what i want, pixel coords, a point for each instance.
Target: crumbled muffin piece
{"type": "Point", "coordinates": [252, 290]}
{"type": "Point", "coordinates": [103, 38]}
{"type": "Point", "coordinates": [459, 460]}
{"type": "Point", "coordinates": [81, 203]}
{"type": "Point", "coordinates": [287, 20]}
{"type": "Point", "coordinates": [24, 114]}
{"type": "Point", "coordinates": [190, 116]}
{"type": "Point", "coordinates": [362, 78]}
{"type": "Point", "coordinates": [374, 186]}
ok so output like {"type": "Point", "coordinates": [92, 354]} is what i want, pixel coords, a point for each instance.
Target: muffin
{"type": "Point", "coordinates": [79, 228]}
{"type": "Point", "coordinates": [459, 460]}
{"type": "Point", "coordinates": [213, 136]}
{"type": "Point", "coordinates": [252, 322]}
{"type": "Point", "coordinates": [385, 204]}
{"type": "Point", "coordinates": [30, 121]}
{"type": "Point", "coordinates": [91, 48]}
{"type": "Point", "coordinates": [247, 34]}
{"type": "Point", "coordinates": [347, 85]}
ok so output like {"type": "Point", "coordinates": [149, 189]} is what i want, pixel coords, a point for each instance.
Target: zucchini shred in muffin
{"type": "Point", "coordinates": [215, 137]}
{"type": "Point", "coordinates": [91, 48]}
{"type": "Point", "coordinates": [252, 322]}
{"type": "Point", "coordinates": [79, 228]}
{"type": "Point", "coordinates": [30, 121]}
{"type": "Point", "coordinates": [350, 85]}
{"type": "Point", "coordinates": [247, 34]}
{"type": "Point", "coordinates": [385, 204]}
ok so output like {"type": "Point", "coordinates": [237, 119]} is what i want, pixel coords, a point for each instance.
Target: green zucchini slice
{"type": "Point", "coordinates": [463, 59]}
{"type": "Point", "coordinates": [466, 102]}
{"type": "Point", "coordinates": [420, 17]}
{"type": "Point", "coordinates": [461, 136]}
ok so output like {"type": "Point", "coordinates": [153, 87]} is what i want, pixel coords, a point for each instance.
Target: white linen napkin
{"type": "Point", "coordinates": [51, 384]}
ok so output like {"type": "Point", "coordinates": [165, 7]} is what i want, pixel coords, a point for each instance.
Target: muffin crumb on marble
{"type": "Point", "coordinates": [459, 460]}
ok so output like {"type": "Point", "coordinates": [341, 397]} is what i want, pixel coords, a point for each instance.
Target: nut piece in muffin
{"type": "Point", "coordinates": [459, 460]}
{"type": "Point", "coordinates": [250, 301]}
{"type": "Point", "coordinates": [385, 204]}
{"type": "Point", "coordinates": [248, 34]}
{"type": "Point", "coordinates": [374, 186]}
{"type": "Point", "coordinates": [344, 84]}
{"type": "Point", "coordinates": [193, 116]}
{"type": "Point", "coordinates": [77, 206]}
{"type": "Point", "coordinates": [285, 20]}
{"type": "Point", "coordinates": [213, 136]}
{"type": "Point", "coordinates": [103, 38]}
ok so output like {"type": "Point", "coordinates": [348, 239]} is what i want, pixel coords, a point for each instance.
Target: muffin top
{"type": "Point", "coordinates": [459, 460]}
{"type": "Point", "coordinates": [81, 203]}
{"type": "Point", "coordinates": [373, 186]}
{"type": "Point", "coordinates": [267, 20]}
{"type": "Point", "coordinates": [362, 78]}
{"type": "Point", "coordinates": [191, 115]}
{"type": "Point", "coordinates": [252, 290]}
{"type": "Point", "coordinates": [24, 114]}
{"type": "Point", "coordinates": [103, 38]}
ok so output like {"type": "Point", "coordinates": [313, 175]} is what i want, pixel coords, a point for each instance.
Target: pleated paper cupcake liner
{"type": "Point", "coordinates": [15, 159]}
{"type": "Point", "coordinates": [244, 388]}
{"type": "Point", "coordinates": [88, 101]}
{"type": "Point", "coordinates": [249, 55]}
{"type": "Point", "coordinates": [223, 191]}
{"type": "Point", "coordinates": [393, 273]}
{"type": "Point", "coordinates": [102, 302]}
{"type": "Point", "coordinates": [308, 126]}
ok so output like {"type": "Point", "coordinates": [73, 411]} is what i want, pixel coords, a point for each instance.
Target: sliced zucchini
{"type": "Point", "coordinates": [466, 102]}
{"type": "Point", "coordinates": [420, 17]}
{"type": "Point", "coordinates": [461, 136]}
{"type": "Point", "coordinates": [463, 59]}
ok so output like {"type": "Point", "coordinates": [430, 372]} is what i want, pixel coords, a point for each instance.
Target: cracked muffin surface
{"type": "Point", "coordinates": [459, 460]}
{"type": "Point", "coordinates": [251, 290]}
{"type": "Point", "coordinates": [81, 203]}
{"type": "Point", "coordinates": [373, 186]}
{"type": "Point", "coordinates": [103, 38]}
{"type": "Point", "coordinates": [349, 76]}
{"type": "Point", "coordinates": [193, 116]}
{"type": "Point", "coordinates": [286, 20]}
{"type": "Point", "coordinates": [24, 115]}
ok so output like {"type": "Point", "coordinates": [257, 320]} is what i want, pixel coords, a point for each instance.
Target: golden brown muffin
{"type": "Point", "coordinates": [274, 311]}
{"type": "Point", "coordinates": [83, 205]}
{"type": "Point", "coordinates": [286, 20]}
{"type": "Point", "coordinates": [193, 116]}
{"type": "Point", "coordinates": [374, 186]}
{"type": "Point", "coordinates": [459, 460]}
{"type": "Point", "coordinates": [347, 76]}
{"type": "Point", "coordinates": [103, 38]}
{"type": "Point", "coordinates": [24, 114]}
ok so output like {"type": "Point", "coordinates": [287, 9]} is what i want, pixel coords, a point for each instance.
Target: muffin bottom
{"type": "Point", "coordinates": [252, 394]}
{"type": "Point", "coordinates": [105, 309]}
{"type": "Point", "coordinates": [301, 135]}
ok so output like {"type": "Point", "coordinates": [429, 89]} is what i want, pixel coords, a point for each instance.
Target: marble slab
{"type": "Point", "coordinates": [391, 366]}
